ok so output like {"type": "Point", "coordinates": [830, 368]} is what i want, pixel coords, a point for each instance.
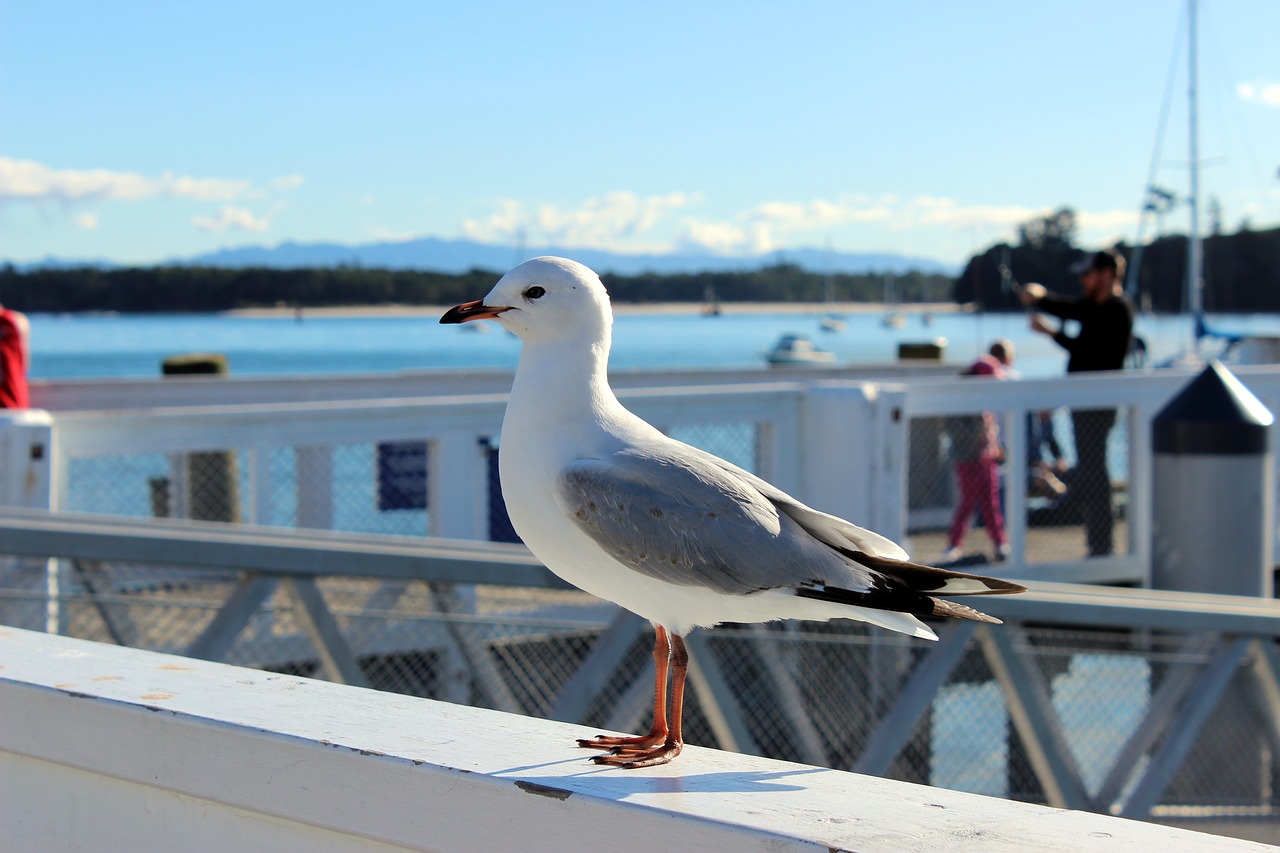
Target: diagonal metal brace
{"type": "Point", "coordinates": [250, 593]}
{"type": "Point", "coordinates": [716, 699]}
{"type": "Point", "coordinates": [1033, 717]}
{"type": "Point", "coordinates": [895, 727]}
{"type": "Point", "coordinates": [325, 635]}
{"type": "Point", "coordinates": [605, 659]}
{"type": "Point", "coordinates": [1204, 697]}
{"type": "Point", "coordinates": [1161, 708]}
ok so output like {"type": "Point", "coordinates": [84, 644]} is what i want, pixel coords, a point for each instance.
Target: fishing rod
{"type": "Point", "coordinates": [1013, 285]}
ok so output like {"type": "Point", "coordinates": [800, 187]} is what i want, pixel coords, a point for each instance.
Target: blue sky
{"type": "Point", "coordinates": [140, 131]}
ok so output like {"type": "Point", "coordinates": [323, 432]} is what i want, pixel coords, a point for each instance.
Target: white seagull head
{"type": "Point", "coordinates": [545, 300]}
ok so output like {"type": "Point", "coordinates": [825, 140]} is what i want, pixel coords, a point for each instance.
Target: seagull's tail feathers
{"type": "Point", "coordinates": [892, 601]}
{"type": "Point", "coordinates": [943, 607]}
{"type": "Point", "coordinates": [900, 588]}
{"type": "Point", "coordinates": [934, 581]}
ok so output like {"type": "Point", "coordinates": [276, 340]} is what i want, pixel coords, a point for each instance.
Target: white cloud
{"type": "Point", "coordinates": [1107, 220]}
{"type": "Point", "coordinates": [610, 221]}
{"type": "Point", "coordinates": [819, 213]}
{"type": "Point", "coordinates": [1260, 92]}
{"type": "Point", "coordinates": [232, 218]}
{"type": "Point", "coordinates": [744, 237]}
{"type": "Point", "coordinates": [27, 180]}
{"type": "Point", "coordinates": [948, 212]}
{"type": "Point", "coordinates": [624, 221]}
{"type": "Point", "coordinates": [722, 238]}
{"type": "Point", "coordinates": [604, 221]}
{"type": "Point", "coordinates": [33, 183]}
{"type": "Point", "coordinates": [501, 226]}
{"type": "Point", "coordinates": [288, 182]}
{"type": "Point", "coordinates": [765, 225]}
{"type": "Point", "coordinates": [776, 224]}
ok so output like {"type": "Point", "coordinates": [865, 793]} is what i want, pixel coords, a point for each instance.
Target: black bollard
{"type": "Point", "coordinates": [1212, 489]}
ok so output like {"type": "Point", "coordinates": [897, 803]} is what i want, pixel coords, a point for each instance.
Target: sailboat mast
{"type": "Point", "coordinates": [1195, 250]}
{"type": "Point", "coordinates": [828, 292]}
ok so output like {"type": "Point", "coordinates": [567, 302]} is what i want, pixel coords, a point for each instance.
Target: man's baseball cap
{"type": "Point", "coordinates": [1103, 260]}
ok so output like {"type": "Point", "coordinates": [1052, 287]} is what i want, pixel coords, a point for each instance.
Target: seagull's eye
{"type": "Point", "coordinates": [534, 292]}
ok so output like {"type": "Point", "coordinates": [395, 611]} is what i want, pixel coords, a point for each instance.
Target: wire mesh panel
{"type": "Point", "coordinates": [119, 484]}
{"type": "Point", "coordinates": [969, 748]}
{"type": "Point", "coordinates": [735, 441]}
{"type": "Point", "coordinates": [1074, 479]}
{"type": "Point", "coordinates": [338, 487]}
{"type": "Point", "coordinates": [955, 489]}
{"type": "Point", "coordinates": [1077, 484]}
{"type": "Point", "coordinates": [357, 504]}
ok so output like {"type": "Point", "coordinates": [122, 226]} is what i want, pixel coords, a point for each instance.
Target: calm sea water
{"type": "Point", "coordinates": [78, 346]}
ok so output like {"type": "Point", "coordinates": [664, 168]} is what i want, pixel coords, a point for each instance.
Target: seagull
{"type": "Point", "coordinates": [670, 532]}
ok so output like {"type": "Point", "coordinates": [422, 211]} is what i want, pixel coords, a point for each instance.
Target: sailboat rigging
{"type": "Point", "coordinates": [1158, 201]}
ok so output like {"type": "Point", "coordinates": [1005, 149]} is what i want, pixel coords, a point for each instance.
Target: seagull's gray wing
{"type": "Point", "coordinates": [866, 548]}
{"type": "Point", "coordinates": [833, 530]}
{"type": "Point", "coordinates": [682, 515]}
{"type": "Point", "coordinates": [671, 515]}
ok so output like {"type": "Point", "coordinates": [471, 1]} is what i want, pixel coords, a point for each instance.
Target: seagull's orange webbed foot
{"type": "Point", "coordinates": [632, 759]}
{"type": "Point", "coordinates": [619, 743]}
{"type": "Point", "coordinates": [664, 741]}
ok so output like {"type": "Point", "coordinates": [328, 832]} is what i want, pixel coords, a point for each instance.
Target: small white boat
{"type": "Point", "coordinates": [893, 320]}
{"type": "Point", "coordinates": [797, 349]}
{"type": "Point", "coordinates": [832, 323]}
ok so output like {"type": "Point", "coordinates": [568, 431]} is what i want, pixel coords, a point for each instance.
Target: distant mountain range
{"type": "Point", "coordinates": [456, 256]}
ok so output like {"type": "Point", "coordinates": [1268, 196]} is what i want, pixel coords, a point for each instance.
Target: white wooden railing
{"type": "Point", "coordinates": [66, 395]}
{"type": "Point", "coordinates": [104, 748]}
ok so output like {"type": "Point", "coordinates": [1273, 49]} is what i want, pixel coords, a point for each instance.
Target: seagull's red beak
{"type": "Point", "coordinates": [468, 311]}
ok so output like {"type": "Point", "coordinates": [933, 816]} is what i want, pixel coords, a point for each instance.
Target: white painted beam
{"type": "Point", "coordinates": [105, 748]}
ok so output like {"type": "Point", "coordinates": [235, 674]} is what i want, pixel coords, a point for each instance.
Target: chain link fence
{"type": "Point", "coordinates": [365, 487]}
{"type": "Point", "coordinates": [361, 487]}
{"type": "Point", "coordinates": [1075, 476]}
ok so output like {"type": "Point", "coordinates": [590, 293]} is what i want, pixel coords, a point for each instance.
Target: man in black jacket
{"type": "Point", "coordinates": [1105, 316]}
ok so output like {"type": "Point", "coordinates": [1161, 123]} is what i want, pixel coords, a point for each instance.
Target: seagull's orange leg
{"type": "Point", "coordinates": [660, 752]}
{"type": "Point", "coordinates": [658, 732]}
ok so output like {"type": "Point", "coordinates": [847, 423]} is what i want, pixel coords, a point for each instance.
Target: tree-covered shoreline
{"type": "Point", "coordinates": [1242, 269]}
{"type": "Point", "coordinates": [198, 289]}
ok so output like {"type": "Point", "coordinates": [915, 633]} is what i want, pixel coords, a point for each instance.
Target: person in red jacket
{"type": "Point", "coordinates": [976, 456]}
{"type": "Point", "coordinates": [15, 357]}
